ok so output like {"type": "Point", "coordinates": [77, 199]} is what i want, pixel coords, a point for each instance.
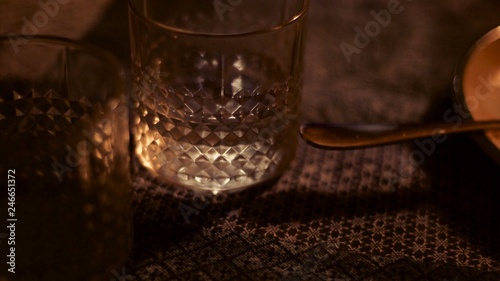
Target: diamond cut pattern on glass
{"type": "Point", "coordinates": [34, 111]}
{"type": "Point", "coordinates": [217, 133]}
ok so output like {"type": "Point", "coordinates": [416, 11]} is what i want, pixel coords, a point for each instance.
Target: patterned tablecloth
{"type": "Point", "coordinates": [367, 214]}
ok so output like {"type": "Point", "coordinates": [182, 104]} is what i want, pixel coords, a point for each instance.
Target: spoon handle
{"type": "Point", "coordinates": [353, 136]}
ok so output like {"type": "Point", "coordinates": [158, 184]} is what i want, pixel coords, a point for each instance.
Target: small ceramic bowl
{"type": "Point", "coordinates": [477, 88]}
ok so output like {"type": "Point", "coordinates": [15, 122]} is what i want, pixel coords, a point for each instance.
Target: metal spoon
{"type": "Point", "coordinates": [353, 136]}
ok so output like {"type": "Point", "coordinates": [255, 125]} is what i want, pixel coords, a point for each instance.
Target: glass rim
{"type": "Point", "coordinates": [295, 18]}
{"type": "Point", "coordinates": [68, 43]}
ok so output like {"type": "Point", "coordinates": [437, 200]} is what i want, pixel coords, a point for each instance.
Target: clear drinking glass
{"type": "Point", "coordinates": [216, 89]}
{"type": "Point", "coordinates": [64, 162]}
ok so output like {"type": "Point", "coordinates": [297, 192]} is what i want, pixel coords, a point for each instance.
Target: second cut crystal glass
{"type": "Point", "coordinates": [64, 161]}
